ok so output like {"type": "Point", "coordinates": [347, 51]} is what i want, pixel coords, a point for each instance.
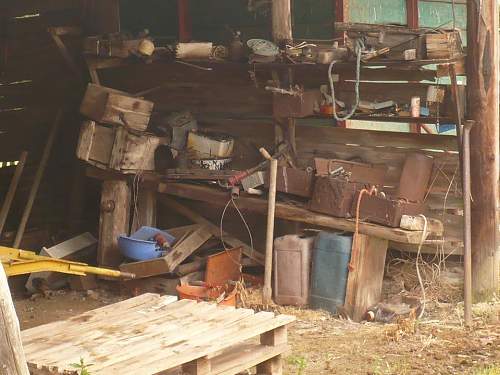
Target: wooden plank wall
{"type": "Point", "coordinates": [35, 82]}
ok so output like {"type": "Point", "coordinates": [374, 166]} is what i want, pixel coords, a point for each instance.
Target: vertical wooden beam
{"type": "Point", "coordinates": [12, 360]}
{"type": "Point", "coordinates": [412, 14]}
{"type": "Point", "coordinates": [12, 189]}
{"type": "Point", "coordinates": [114, 220]}
{"type": "Point", "coordinates": [282, 21]}
{"type": "Point", "coordinates": [38, 178]}
{"type": "Point", "coordinates": [185, 24]}
{"type": "Point", "coordinates": [364, 284]}
{"type": "Point", "coordinates": [340, 14]}
{"type": "Point", "coordinates": [483, 108]}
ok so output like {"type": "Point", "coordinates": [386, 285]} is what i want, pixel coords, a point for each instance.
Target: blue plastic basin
{"type": "Point", "coordinates": [141, 245]}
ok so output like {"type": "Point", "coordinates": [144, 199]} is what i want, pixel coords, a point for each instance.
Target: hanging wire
{"type": "Point", "coordinates": [358, 48]}
{"type": "Point", "coordinates": [231, 200]}
{"type": "Point", "coordinates": [454, 14]}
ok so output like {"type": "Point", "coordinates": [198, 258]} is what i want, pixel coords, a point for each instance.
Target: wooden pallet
{"type": "Point", "coordinates": [150, 334]}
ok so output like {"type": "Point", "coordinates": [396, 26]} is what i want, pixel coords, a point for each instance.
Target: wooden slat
{"type": "Point", "coordinates": [243, 357]}
{"type": "Point", "coordinates": [364, 284]}
{"type": "Point", "coordinates": [325, 134]}
{"type": "Point", "coordinates": [211, 341]}
{"type": "Point", "coordinates": [86, 319]}
{"type": "Point", "coordinates": [183, 331]}
{"type": "Point", "coordinates": [108, 332]}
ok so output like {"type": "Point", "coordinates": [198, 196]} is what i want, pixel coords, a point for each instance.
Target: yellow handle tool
{"type": "Point", "coordinates": [19, 262]}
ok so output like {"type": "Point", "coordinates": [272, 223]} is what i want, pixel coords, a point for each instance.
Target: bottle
{"type": "Point", "coordinates": [236, 48]}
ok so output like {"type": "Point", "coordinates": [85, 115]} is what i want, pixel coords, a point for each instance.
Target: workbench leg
{"type": "Point", "coordinates": [200, 366]}
{"type": "Point", "coordinates": [273, 366]}
{"type": "Point", "coordinates": [144, 212]}
{"type": "Point", "coordinates": [364, 284]}
{"type": "Point", "coordinates": [113, 221]}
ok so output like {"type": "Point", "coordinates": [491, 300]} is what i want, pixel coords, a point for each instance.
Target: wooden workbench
{"type": "Point", "coordinates": [288, 211]}
{"type": "Point", "coordinates": [150, 334]}
{"type": "Point", "coordinates": [364, 286]}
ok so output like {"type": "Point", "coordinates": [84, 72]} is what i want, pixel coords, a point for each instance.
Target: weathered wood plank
{"type": "Point", "coordinates": [288, 212]}
{"type": "Point", "coordinates": [364, 284]}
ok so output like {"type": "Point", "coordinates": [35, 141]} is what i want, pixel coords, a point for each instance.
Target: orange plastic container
{"type": "Point", "coordinates": [203, 293]}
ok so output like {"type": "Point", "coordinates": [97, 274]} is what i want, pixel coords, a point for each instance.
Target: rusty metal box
{"type": "Point", "coordinates": [385, 211]}
{"type": "Point", "coordinates": [302, 105]}
{"type": "Point", "coordinates": [293, 181]}
{"type": "Point", "coordinates": [358, 172]}
{"type": "Point", "coordinates": [334, 196]}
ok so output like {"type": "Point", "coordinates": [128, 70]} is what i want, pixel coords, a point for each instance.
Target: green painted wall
{"type": "Point", "coordinates": [378, 11]}
{"type": "Point", "coordinates": [434, 14]}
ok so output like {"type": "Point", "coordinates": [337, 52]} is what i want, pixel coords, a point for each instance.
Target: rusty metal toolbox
{"type": "Point", "coordinates": [293, 181]}
{"type": "Point", "coordinates": [302, 105]}
{"type": "Point", "coordinates": [384, 211]}
{"type": "Point", "coordinates": [358, 172]}
{"type": "Point", "coordinates": [334, 196]}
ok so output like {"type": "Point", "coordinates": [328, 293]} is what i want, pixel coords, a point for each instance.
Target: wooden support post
{"type": "Point", "coordinates": [273, 366]}
{"type": "Point", "coordinates": [12, 189]}
{"type": "Point", "coordinates": [282, 21]}
{"type": "Point", "coordinates": [271, 208]}
{"type": "Point", "coordinates": [114, 220]}
{"type": "Point", "coordinates": [144, 209]}
{"type": "Point", "coordinates": [364, 284]}
{"type": "Point", "coordinates": [38, 179]}
{"type": "Point", "coordinates": [412, 14]}
{"type": "Point", "coordinates": [201, 366]}
{"type": "Point", "coordinates": [483, 108]}
{"type": "Point", "coordinates": [12, 359]}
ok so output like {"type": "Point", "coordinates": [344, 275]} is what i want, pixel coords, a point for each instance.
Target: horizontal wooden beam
{"type": "Point", "coordinates": [289, 212]}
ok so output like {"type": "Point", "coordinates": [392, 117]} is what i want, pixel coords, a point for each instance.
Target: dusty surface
{"type": "Point", "coordinates": [323, 344]}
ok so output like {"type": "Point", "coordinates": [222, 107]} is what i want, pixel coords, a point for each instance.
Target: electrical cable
{"type": "Point", "coordinates": [231, 200]}
{"type": "Point", "coordinates": [358, 48]}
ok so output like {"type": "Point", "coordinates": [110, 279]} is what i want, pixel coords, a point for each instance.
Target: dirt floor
{"type": "Point", "coordinates": [324, 344]}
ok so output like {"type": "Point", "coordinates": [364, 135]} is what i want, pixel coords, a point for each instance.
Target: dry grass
{"type": "Point", "coordinates": [442, 282]}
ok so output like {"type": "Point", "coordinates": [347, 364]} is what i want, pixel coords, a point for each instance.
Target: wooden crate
{"type": "Point", "coordinates": [114, 147]}
{"type": "Point", "coordinates": [443, 46]}
{"type": "Point", "coordinates": [110, 106]}
{"type": "Point", "coordinates": [150, 334]}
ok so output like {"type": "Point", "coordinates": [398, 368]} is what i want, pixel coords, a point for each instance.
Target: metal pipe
{"type": "Point", "coordinates": [466, 183]}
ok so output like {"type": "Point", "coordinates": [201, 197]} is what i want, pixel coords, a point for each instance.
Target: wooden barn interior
{"type": "Point", "coordinates": [375, 120]}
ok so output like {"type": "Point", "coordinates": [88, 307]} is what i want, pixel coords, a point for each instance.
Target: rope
{"type": "Point", "coordinates": [422, 240]}
{"type": "Point", "coordinates": [355, 247]}
{"type": "Point", "coordinates": [358, 48]}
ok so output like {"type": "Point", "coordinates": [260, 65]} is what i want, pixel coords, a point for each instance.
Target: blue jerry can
{"type": "Point", "coordinates": [332, 253]}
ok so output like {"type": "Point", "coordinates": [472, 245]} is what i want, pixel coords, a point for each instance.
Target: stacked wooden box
{"type": "Point", "coordinates": [114, 135]}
